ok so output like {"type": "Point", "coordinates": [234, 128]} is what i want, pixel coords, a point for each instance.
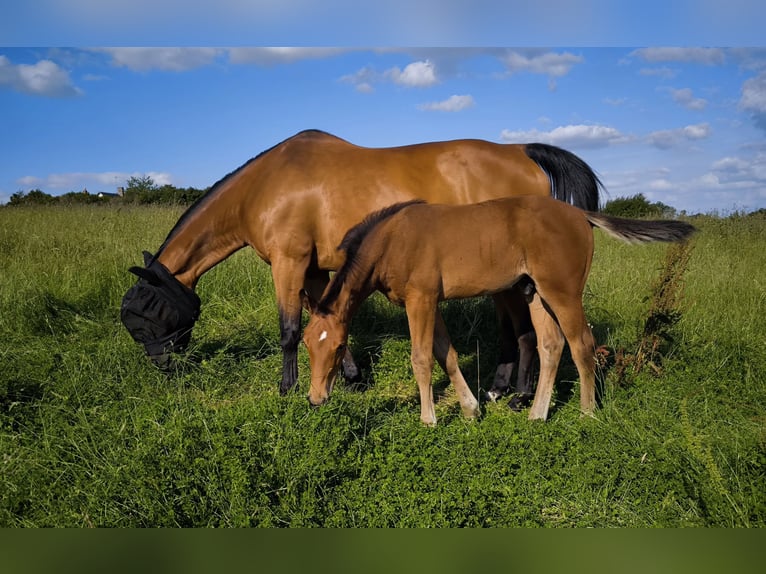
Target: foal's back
{"type": "Point", "coordinates": [470, 250]}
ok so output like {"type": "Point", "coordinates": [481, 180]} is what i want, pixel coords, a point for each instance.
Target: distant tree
{"type": "Point", "coordinates": [34, 197]}
{"type": "Point", "coordinates": [78, 198]}
{"type": "Point", "coordinates": [638, 206]}
{"type": "Point", "coordinates": [139, 189]}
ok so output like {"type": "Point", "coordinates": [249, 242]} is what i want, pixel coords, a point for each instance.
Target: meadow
{"type": "Point", "coordinates": [91, 434]}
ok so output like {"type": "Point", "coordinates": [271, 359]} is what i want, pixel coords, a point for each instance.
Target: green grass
{"type": "Point", "coordinates": [92, 435]}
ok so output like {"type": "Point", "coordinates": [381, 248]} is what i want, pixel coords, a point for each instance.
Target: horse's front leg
{"type": "Point", "coordinates": [288, 275]}
{"type": "Point", "coordinates": [421, 314]}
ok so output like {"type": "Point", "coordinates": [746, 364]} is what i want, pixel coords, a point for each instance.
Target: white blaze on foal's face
{"type": "Point", "coordinates": [325, 340]}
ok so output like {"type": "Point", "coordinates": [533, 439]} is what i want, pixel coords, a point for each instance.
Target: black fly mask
{"type": "Point", "coordinates": [159, 311]}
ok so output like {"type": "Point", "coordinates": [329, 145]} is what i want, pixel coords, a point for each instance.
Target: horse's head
{"type": "Point", "coordinates": [159, 311]}
{"type": "Point", "coordinates": [325, 338]}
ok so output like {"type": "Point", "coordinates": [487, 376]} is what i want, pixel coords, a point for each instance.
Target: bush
{"type": "Point", "coordinates": [638, 206]}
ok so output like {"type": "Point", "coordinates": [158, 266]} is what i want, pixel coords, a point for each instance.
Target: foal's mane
{"type": "Point", "coordinates": [351, 243]}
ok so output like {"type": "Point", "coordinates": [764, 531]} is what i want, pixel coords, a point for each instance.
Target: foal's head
{"type": "Point", "coordinates": [159, 311]}
{"type": "Point", "coordinates": [325, 338]}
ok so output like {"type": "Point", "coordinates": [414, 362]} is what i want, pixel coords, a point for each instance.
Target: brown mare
{"type": "Point", "coordinates": [294, 202]}
{"type": "Point", "coordinates": [418, 254]}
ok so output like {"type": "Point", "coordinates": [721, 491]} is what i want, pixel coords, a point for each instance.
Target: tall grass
{"type": "Point", "coordinates": [92, 435]}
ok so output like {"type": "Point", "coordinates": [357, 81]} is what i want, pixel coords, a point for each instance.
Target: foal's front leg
{"type": "Point", "coordinates": [421, 315]}
{"type": "Point", "coordinates": [446, 355]}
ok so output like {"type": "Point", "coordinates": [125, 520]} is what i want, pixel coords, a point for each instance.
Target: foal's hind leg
{"type": "Point", "coordinates": [446, 356]}
{"type": "Point", "coordinates": [550, 345]}
{"type": "Point", "coordinates": [315, 284]}
{"type": "Point", "coordinates": [574, 325]}
{"type": "Point", "coordinates": [569, 311]}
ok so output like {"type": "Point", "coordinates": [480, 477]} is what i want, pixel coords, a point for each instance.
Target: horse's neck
{"type": "Point", "coordinates": [203, 240]}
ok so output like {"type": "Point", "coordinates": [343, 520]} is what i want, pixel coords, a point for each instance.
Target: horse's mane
{"type": "Point", "coordinates": [212, 191]}
{"type": "Point", "coordinates": [351, 243]}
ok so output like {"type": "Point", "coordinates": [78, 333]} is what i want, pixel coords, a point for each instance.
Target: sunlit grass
{"type": "Point", "coordinates": [92, 435]}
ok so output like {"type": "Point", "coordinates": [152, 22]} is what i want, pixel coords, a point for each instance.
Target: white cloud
{"type": "Point", "coordinates": [686, 98]}
{"type": "Point", "coordinates": [452, 104]}
{"type": "Point", "coordinates": [580, 135]}
{"type": "Point", "coordinates": [707, 56]}
{"type": "Point", "coordinates": [736, 169]}
{"type": "Point", "coordinates": [277, 55]}
{"type": "Point", "coordinates": [45, 78]}
{"type": "Point", "coordinates": [99, 181]}
{"type": "Point", "coordinates": [754, 98]}
{"type": "Point", "coordinates": [730, 164]}
{"type": "Point", "coordinates": [549, 63]}
{"type": "Point", "coordinates": [665, 139]}
{"type": "Point", "coordinates": [143, 59]}
{"type": "Point", "coordinates": [415, 75]}
{"type": "Point", "coordinates": [664, 72]}
{"type": "Point", "coordinates": [363, 79]}
{"type": "Point", "coordinates": [420, 74]}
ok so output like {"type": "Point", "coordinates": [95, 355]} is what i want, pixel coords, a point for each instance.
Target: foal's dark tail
{"type": "Point", "coordinates": [640, 231]}
{"type": "Point", "coordinates": [572, 180]}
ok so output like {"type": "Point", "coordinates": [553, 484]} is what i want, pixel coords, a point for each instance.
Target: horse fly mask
{"type": "Point", "coordinates": [159, 311]}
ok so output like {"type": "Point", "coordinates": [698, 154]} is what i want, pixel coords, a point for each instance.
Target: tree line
{"type": "Point", "coordinates": [137, 191]}
{"type": "Point", "coordinates": [143, 191]}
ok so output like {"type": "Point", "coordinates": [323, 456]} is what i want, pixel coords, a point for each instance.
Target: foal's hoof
{"type": "Point", "coordinates": [520, 401]}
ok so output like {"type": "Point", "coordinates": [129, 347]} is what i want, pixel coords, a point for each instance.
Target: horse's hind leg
{"type": "Point", "coordinates": [446, 356]}
{"type": "Point", "coordinates": [550, 345]}
{"type": "Point", "coordinates": [315, 284]}
{"type": "Point", "coordinates": [517, 343]}
{"type": "Point", "coordinates": [509, 349]}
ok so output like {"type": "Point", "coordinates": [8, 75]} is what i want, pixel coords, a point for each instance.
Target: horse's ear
{"type": "Point", "coordinates": [147, 258]}
{"type": "Point", "coordinates": [308, 302]}
{"type": "Point", "coordinates": [147, 274]}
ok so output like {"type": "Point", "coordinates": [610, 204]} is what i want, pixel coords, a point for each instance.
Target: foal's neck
{"type": "Point", "coordinates": [355, 289]}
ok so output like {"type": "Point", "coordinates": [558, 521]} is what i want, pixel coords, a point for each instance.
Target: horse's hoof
{"type": "Point", "coordinates": [493, 394]}
{"type": "Point", "coordinates": [351, 373]}
{"type": "Point", "coordinates": [520, 401]}
{"type": "Point", "coordinates": [284, 390]}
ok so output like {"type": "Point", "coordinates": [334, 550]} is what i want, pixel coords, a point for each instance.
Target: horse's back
{"type": "Point", "coordinates": [317, 186]}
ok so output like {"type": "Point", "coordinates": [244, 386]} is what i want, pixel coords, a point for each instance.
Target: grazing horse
{"type": "Point", "coordinates": [418, 254]}
{"type": "Point", "coordinates": [293, 203]}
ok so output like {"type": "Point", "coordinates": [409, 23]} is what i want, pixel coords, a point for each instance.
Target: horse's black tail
{"type": "Point", "coordinates": [572, 180]}
{"type": "Point", "coordinates": [641, 231]}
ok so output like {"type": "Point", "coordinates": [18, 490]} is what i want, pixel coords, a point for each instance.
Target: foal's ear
{"type": "Point", "coordinates": [147, 258]}
{"type": "Point", "coordinates": [308, 302]}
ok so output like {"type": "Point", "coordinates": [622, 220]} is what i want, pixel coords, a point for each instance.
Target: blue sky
{"type": "Point", "coordinates": [682, 125]}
